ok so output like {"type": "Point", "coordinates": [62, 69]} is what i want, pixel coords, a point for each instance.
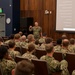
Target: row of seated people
{"type": "Point", "coordinates": [52, 64]}
{"type": "Point", "coordinates": [20, 42]}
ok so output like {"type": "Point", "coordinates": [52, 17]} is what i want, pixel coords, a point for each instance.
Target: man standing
{"type": "Point", "coordinates": [37, 30]}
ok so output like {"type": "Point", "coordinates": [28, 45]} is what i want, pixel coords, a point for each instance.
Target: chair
{"type": "Point", "coordinates": [41, 68]}
{"type": "Point", "coordinates": [24, 50]}
{"type": "Point", "coordinates": [1, 71]}
{"type": "Point", "coordinates": [58, 56]}
{"type": "Point", "coordinates": [19, 58]}
{"type": "Point", "coordinates": [71, 62]}
{"type": "Point", "coordinates": [40, 53]}
{"type": "Point", "coordinates": [18, 49]}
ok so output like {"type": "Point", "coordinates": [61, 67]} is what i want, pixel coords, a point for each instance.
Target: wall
{"type": "Point", "coordinates": [36, 9]}
{"type": "Point", "coordinates": [12, 10]}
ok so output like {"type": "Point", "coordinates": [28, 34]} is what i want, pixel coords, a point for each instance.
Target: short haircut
{"type": "Point", "coordinates": [31, 47]}
{"type": "Point", "coordinates": [24, 67]}
{"type": "Point", "coordinates": [59, 41]}
{"type": "Point", "coordinates": [65, 42]}
{"type": "Point", "coordinates": [3, 51]}
{"type": "Point", "coordinates": [72, 41]}
{"type": "Point", "coordinates": [49, 48]}
{"type": "Point", "coordinates": [17, 36]}
{"type": "Point", "coordinates": [30, 37]}
{"type": "Point", "coordinates": [48, 40]}
{"type": "Point", "coordinates": [11, 44]}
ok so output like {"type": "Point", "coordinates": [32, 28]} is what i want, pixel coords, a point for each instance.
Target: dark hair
{"type": "Point", "coordinates": [59, 41]}
{"type": "Point", "coordinates": [31, 47]}
{"type": "Point", "coordinates": [49, 48]}
{"type": "Point", "coordinates": [24, 67]}
{"type": "Point", "coordinates": [11, 44]}
{"type": "Point", "coordinates": [3, 51]}
{"type": "Point", "coordinates": [37, 42]}
{"type": "Point", "coordinates": [48, 40]}
{"type": "Point", "coordinates": [11, 36]}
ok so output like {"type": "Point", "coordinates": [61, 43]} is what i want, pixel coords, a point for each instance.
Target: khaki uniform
{"type": "Point", "coordinates": [7, 66]}
{"type": "Point", "coordinates": [55, 65]}
{"type": "Point", "coordinates": [29, 56]}
{"type": "Point", "coordinates": [13, 53]}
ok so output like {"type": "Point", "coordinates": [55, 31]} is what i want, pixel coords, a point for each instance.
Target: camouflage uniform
{"type": "Point", "coordinates": [29, 56]}
{"type": "Point", "coordinates": [72, 48]}
{"type": "Point", "coordinates": [36, 31]}
{"type": "Point", "coordinates": [24, 45]}
{"type": "Point", "coordinates": [57, 48]}
{"type": "Point", "coordinates": [7, 66]}
{"type": "Point", "coordinates": [13, 53]}
{"type": "Point", "coordinates": [17, 44]}
{"type": "Point", "coordinates": [42, 40]}
{"type": "Point", "coordinates": [54, 65]}
{"type": "Point", "coordinates": [64, 51]}
{"type": "Point", "coordinates": [73, 73]}
{"type": "Point", "coordinates": [63, 67]}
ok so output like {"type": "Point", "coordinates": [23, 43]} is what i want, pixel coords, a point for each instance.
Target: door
{"type": "Point", "coordinates": [2, 25]}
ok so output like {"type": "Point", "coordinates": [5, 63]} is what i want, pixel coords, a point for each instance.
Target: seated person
{"type": "Point", "coordinates": [12, 51]}
{"type": "Point", "coordinates": [58, 45]}
{"type": "Point", "coordinates": [53, 64]}
{"type": "Point", "coordinates": [6, 64]}
{"type": "Point", "coordinates": [29, 54]}
{"type": "Point", "coordinates": [24, 67]}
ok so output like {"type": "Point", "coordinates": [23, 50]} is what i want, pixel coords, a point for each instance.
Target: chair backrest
{"type": "Point", "coordinates": [40, 67]}
{"type": "Point", "coordinates": [19, 58]}
{"type": "Point", "coordinates": [18, 49]}
{"type": "Point", "coordinates": [71, 62]}
{"type": "Point", "coordinates": [1, 70]}
{"type": "Point", "coordinates": [58, 56]}
{"type": "Point", "coordinates": [40, 53]}
{"type": "Point", "coordinates": [24, 50]}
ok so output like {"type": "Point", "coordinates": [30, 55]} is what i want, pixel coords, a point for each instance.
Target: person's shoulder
{"type": "Point", "coordinates": [43, 57]}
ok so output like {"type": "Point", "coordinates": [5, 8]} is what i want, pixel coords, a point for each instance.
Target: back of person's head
{"type": "Point", "coordinates": [72, 41]}
{"type": "Point", "coordinates": [59, 41]}
{"type": "Point", "coordinates": [11, 36]}
{"type": "Point", "coordinates": [49, 48]}
{"type": "Point", "coordinates": [31, 47]}
{"type": "Point", "coordinates": [23, 38]}
{"type": "Point", "coordinates": [11, 44]}
{"type": "Point", "coordinates": [65, 42]}
{"type": "Point", "coordinates": [44, 34]}
{"type": "Point", "coordinates": [30, 37]}
{"type": "Point", "coordinates": [64, 36]}
{"type": "Point", "coordinates": [17, 36]}
{"type": "Point", "coordinates": [24, 67]}
{"type": "Point", "coordinates": [36, 42]}
{"type": "Point", "coordinates": [3, 51]}
{"type": "Point", "coordinates": [20, 32]}
{"type": "Point", "coordinates": [48, 40]}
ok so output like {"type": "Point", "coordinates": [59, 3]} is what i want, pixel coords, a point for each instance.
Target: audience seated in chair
{"type": "Point", "coordinates": [53, 64]}
{"type": "Point", "coordinates": [5, 62]}
{"type": "Point", "coordinates": [29, 54]}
